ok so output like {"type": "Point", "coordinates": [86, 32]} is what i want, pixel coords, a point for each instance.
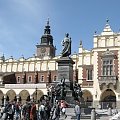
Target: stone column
{"type": "Point", "coordinates": [96, 104]}
{"type": "Point", "coordinates": [109, 111]}
{"type": "Point", "coordinates": [31, 97]}
{"type": "Point", "coordinates": [4, 100]}
{"type": "Point", "coordinates": [118, 104]}
{"type": "Point", "coordinates": [17, 98]}
{"type": "Point", "coordinates": [93, 114]}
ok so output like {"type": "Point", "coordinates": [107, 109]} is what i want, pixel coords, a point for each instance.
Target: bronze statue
{"type": "Point", "coordinates": [77, 91]}
{"type": "Point", "coordinates": [61, 89]}
{"type": "Point", "coordinates": [67, 46]}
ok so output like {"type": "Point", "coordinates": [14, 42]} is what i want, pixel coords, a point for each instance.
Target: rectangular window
{"type": "Point", "coordinates": [29, 79]}
{"type": "Point", "coordinates": [89, 74]}
{"type": "Point", "coordinates": [107, 67]}
{"type": "Point", "coordinates": [18, 79]}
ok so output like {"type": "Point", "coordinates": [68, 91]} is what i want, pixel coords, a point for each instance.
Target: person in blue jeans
{"type": "Point", "coordinates": [77, 110]}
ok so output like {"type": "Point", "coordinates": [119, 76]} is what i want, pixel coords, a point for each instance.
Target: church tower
{"type": "Point", "coordinates": [46, 47]}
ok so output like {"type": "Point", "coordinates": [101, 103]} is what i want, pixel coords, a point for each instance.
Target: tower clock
{"type": "Point", "coordinates": [46, 47]}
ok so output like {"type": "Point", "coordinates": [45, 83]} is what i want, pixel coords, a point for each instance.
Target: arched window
{"type": "Point", "coordinates": [42, 78]}
{"type": "Point", "coordinates": [54, 78]}
{"type": "Point", "coordinates": [29, 79]}
{"type": "Point", "coordinates": [18, 79]}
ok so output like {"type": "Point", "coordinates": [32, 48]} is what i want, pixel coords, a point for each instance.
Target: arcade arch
{"type": "Point", "coordinates": [108, 99]}
{"type": "Point", "coordinates": [24, 95]}
{"type": "Point", "coordinates": [37, 95]}
{"type": "Point", "coordinates": [10, 95]}
{"type": "Point", "coordinates": [88, 98]}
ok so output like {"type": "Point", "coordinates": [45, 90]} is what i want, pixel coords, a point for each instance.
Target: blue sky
{"type": "Point", "coordinates": [22, 23]}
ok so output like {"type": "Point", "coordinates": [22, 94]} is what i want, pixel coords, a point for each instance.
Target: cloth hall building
{"type": "Point", "coordinates": [96, 70]}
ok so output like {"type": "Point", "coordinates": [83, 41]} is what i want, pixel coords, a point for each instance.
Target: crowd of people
{"type": "Point", "coordinates": [16, 111]}
{"type": "Point", "coordinates": [31, 111]}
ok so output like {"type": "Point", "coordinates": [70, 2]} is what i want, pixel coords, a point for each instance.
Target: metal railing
{"type": "Point", "coordinates": [89, 104]}
{"type": "Point", "coordinates": [106, 105]}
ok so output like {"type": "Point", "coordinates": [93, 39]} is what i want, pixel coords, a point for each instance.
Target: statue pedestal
{"type": "Point", "coordinates": [65, 69]}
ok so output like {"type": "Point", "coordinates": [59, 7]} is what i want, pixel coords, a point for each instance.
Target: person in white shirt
{"type": "Point", "coordinates": [77, 110]}
{"type": "Point", "coordinates": [42, 111]}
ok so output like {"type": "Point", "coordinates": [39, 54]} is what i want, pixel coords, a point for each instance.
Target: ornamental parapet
{"type": "Point", "coordinates": [107, 80]}
{"type": "Point", "coordinates": [25, 86]}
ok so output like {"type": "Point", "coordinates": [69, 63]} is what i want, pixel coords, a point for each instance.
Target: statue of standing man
{"type": "Point", "coordinates": [67, 46]}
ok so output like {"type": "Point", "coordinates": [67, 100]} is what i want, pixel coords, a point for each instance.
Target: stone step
{"type": "Point", "coordinates": [84, 117]}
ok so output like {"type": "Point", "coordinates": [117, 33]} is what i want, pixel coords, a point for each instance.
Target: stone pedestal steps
{"type": "Point", "coordinates": [101, 115]}
{"type": "Point", "coordinates": [71, 115]}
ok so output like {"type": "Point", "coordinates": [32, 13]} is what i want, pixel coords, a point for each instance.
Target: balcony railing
{"type": "Point", "coordinates": [107, 79]}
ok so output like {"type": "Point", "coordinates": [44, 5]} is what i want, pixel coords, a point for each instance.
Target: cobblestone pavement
{"type": "Point", "coordinates": [101, 115]}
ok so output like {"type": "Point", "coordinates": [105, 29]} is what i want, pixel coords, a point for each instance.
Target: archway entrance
{"type": "Point", "coordinates": [24, 96]}
{"type": "Point", "coordinates": [108, 99]}
{"type": "Point", "coordinates": [10, 95]}
{"type": "Point", "coordinates": [88, 98]}
{"type": "Point", "coordinates": [37, 95]}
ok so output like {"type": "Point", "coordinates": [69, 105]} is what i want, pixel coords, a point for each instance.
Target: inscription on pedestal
{"type": "Point", "coordinates": [63, 68]}
{"type": "Point", "coordinates": [63, 71]}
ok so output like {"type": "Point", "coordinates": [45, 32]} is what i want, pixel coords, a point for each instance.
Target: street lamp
{"type": "Point", "coordinates": [36, 94]}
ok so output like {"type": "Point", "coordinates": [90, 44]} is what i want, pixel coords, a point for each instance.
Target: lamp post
{"type": "Point", "coordinates": [36, 94]}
